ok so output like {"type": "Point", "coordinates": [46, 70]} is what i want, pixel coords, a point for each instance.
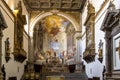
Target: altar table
{"type": "Point", "coordinates": [55, 78]}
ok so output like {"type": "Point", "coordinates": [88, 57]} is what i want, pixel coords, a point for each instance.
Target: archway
{"type": "Point", "coordinates": [45, 14]}
{"type": "Point", "coordinates": [52, 34]}
{"type": "Point", "coordinates": [74, 27]}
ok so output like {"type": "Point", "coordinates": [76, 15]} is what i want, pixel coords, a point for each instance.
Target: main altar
{"type": "Point", "coordinates": [55, 53]}
{"type": "Point", "coordinates": [55, 63]}
{"type": "Point", "coordinates": [52, 64]}
{"type": "Point", "coordinates": [55, 78]}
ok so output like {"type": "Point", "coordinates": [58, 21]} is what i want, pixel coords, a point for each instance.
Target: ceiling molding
{"type": "Point", "coordinates": [63, 5]}
{"type": "Point", "coordinates": [101, 8]}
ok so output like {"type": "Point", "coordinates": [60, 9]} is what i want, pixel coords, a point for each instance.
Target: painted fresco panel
{"type": "Point", "coordinates": [116, 52]}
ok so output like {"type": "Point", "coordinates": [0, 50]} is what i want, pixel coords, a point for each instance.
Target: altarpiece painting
{"type": "Point", "coordinates": [116, 52]}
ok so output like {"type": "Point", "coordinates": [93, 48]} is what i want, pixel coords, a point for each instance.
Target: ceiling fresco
{"type": "Point", "coordinates": [54, 24]}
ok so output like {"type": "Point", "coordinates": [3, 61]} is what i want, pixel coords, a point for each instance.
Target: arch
{"type": "Point", "coordinates": [45, 14]}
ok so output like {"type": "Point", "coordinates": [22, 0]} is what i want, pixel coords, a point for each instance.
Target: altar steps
{"type": "Point", "coordinates": [75, 76]}
{"type": "Point", "coordinates": [68, 76]}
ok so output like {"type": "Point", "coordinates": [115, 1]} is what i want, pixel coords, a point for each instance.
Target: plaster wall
{"type": "Point", "coordinates": [12, 68]}
{"type": "Point", "coordinates": [95, 69]}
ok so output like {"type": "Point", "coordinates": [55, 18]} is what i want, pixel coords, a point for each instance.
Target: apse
{"type": "Point", "coordinates": [54, 24]}
{"type": "Point", "coordinates": [50, 36]}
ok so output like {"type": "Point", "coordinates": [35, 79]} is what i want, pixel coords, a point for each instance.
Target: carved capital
{"type": "Point", "coordinates": [77, 34]}
{"type": "Point", "coordinates": [91, 9]}
{"type": "Point", "coordinates": [78, 38]}
{"type": "Point", "coordinates": [107, 35]}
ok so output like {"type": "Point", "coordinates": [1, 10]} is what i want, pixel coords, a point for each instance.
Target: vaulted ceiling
{"type": "Point", "coordinates": [66, 5]}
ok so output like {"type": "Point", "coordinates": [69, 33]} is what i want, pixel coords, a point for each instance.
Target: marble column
{"type": "Point", "coordinates": [108, 53]}
{"type": "Point", "coordinates": [78, 56]}
{"type": "Point", "coordinates": [34, 38]}
{"type": "Point", "coordinates": [30, 48]}
{"type": "Point", "coordinates": [31, 54]}
{"type": "Point", "coordinates": [1, 35]}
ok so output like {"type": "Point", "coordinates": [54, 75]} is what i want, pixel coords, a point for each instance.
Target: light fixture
{"type": "Point", "coordinates": [15, 11]}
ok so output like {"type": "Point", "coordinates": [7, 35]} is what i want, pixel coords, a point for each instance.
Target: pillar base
{"type": "Point", "coordinates": [78, 68]}
{"type": "Point", "coordinates": [78, 71]}
{"type": "Point", "coordinates": [1, 75]}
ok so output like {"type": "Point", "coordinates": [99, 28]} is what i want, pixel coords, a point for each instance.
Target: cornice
{"type": "Point", "coordinates": [26, 34]}
{"type": "Point", "coordinates": [83, 34]}
{"type": "Point", "coordinates": [110, 19]}
{"type": "Point", "coordinates": [76, 5]}
{"type": "Point", "coordinates": [90, 14]}
{"type": "Point", "coordinates": [5, 4]}
{"type": "Point", "coordinates": [101, 8]}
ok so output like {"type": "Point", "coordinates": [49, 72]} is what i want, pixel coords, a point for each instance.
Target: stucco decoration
{"type": "Point", "coordinates": [20, 20]}
{"type": "Point", "coordinates": [3, 25]}
{"type": "Point", "coordinates": [89, 54]}
{"type": "Point", "coordinates": [7, 49]}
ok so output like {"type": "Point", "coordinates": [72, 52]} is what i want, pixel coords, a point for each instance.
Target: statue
{"type": "Point", "coordinates": [100, 50]}
{"type": "Point", "coordinates": [100, 53]}
{"type": "Point", "coordinates": [7, 49]}
{"type": "Point", "coordinates": [40, 55]}
{"type": "Point", "coordinates": [3, 71]}
{"type": "Point", "coordinates": [100, 44]}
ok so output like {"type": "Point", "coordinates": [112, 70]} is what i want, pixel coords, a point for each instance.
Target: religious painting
{"type": "Point", "coordinates": [89, 53]}
{"type": "Point", "coordinates": [20, 20]}
{"type": "Point", "coordinates": [116, 52]}
{"type": "Point", "coordinates": [55, 45]}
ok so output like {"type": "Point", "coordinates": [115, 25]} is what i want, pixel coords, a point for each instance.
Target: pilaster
{"type": "Point", "coordinates": [1, 35]}
{"type": "Point", "coordinates": [3, 25]}
{"type": "Point", "coordinates": [78, 58]}
{"type": "Point", "coordinates": [108, 53]}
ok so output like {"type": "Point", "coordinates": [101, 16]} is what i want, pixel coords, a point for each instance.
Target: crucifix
{"type": "Point", "coordinates": [118, 49]}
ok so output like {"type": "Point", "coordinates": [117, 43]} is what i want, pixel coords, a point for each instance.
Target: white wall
{"type": "Point", "coordinates": [117, 4]}
{"type": "Point", "coordinates": [24, 12]}
{"type": "Point", "coordinates": [12, 68]}
{"type": "Point", "coordinates": [97, 4]}
{"type": "Point", "coordinates": [25, 42]}
{"type": "Point", "coordinates": [84, 15]}
{"type": "Point", "coordinates": [95, 68]}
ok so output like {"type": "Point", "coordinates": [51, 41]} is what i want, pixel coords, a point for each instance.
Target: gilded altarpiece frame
{"type": "Point", "coordinates": [116, 52]}
{"type": "Point", "coordinates": [20, 20]}
{"type": "Point", "coordinates": [89, 53]}
{"type": "Point", "coordinates": [111, 27]}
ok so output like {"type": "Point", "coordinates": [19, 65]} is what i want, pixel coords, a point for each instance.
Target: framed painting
{"type": "Point", "coordinates": [116, 52]}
